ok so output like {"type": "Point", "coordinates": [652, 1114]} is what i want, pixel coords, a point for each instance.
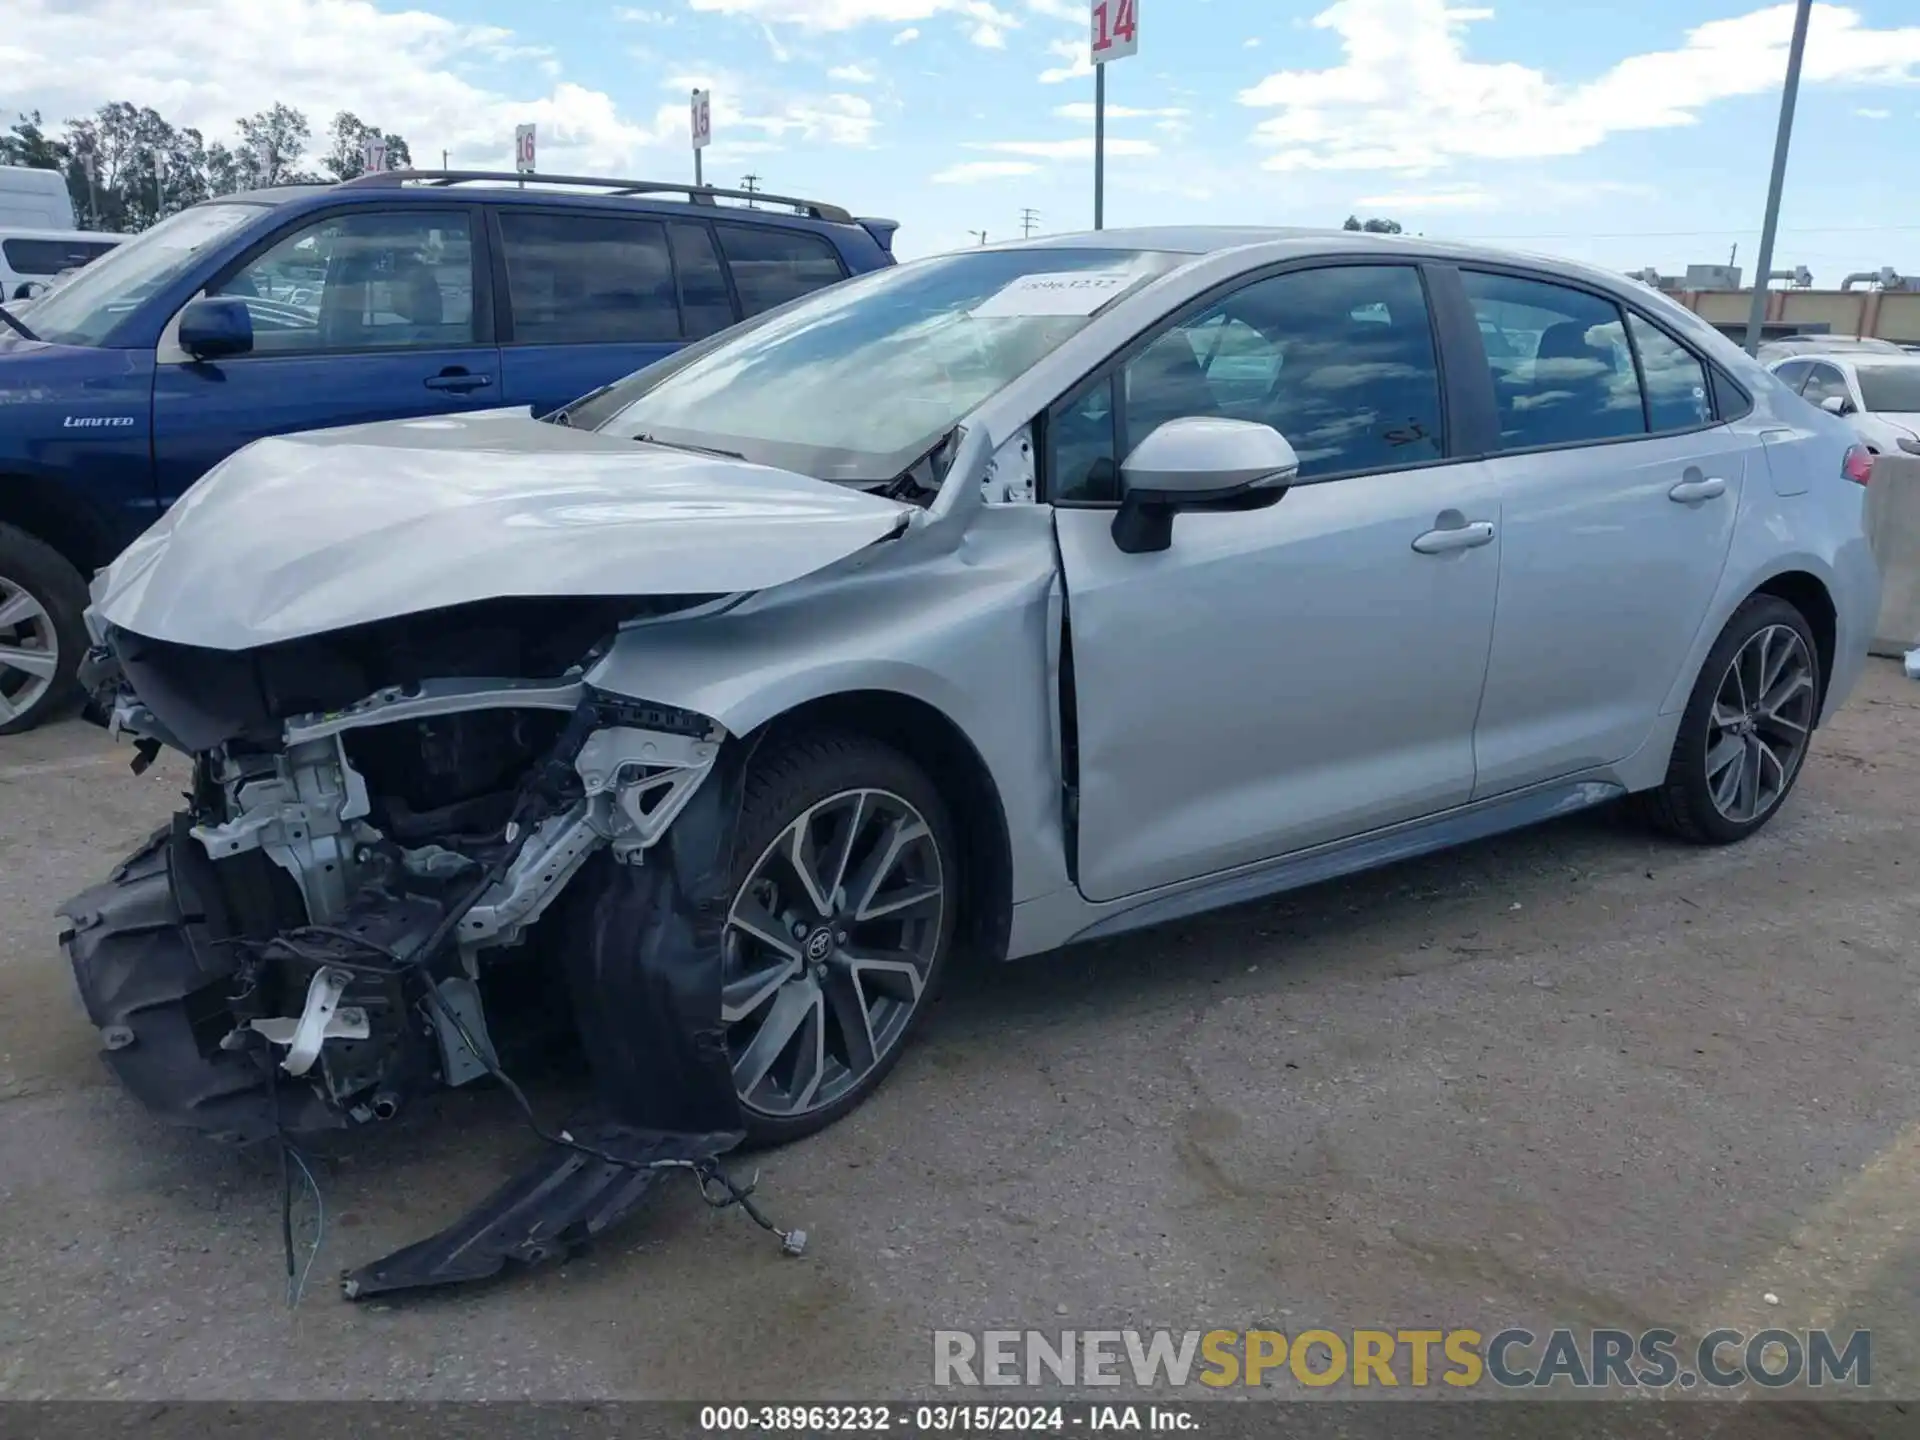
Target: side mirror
{"type": "Point", "coordinates": [1198, 464]}
{"type": "Point", "coordinates": [1837, 405]}
{"type": "Point", "coordinates": [31, 290]}
{"type": "Point", "coordinates": [214, 327]}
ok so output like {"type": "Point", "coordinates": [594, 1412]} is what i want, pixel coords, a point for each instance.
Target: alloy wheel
{"type": "Point", "coordinates": [29, 650]}
{"type": "Point", "coordinates": [1761, 722]}
{"type": "Point", "coordinates": [829, 946]}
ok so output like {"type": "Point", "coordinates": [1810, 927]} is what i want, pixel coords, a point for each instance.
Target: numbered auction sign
{"type": "Point", "coordinates": [1116, 30]}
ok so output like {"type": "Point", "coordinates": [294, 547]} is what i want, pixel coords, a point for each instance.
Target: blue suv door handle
{"type": "Point", "coordinates": [458, 380]}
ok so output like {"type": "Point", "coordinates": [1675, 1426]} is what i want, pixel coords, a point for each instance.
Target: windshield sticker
{"type": "Point", "coordinates": [1062, 292]}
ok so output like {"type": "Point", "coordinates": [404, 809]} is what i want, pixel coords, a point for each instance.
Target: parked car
{"type": "Point", "coordinates": [33, 261]}
{"type": "Point", "coordinates": [1879, 395]}
{"type": "Point", "coordinates": [972, 604]}
{"type": "Point", "coordinates": [1773, 350]}
{"type": "Point", "coordinates": [416, 293]}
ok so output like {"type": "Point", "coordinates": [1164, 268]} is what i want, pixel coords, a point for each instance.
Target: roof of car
{"type": "Point", "coordinates": [1199, 240]}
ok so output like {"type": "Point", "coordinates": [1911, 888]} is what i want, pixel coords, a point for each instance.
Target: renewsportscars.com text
{"type": "Point", "coordinates": [1512, 1359]}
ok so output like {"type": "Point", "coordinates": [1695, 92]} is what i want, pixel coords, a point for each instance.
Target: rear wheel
{"type": "Point", "coordinates": [839, 928]}
{"type": "Point", "coordinates": [42, 634]}
{"type": "Point", "coordinates": [1744, 736]}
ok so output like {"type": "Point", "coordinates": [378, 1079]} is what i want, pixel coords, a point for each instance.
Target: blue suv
{"type": "Point", "coordinates": [393, 295]}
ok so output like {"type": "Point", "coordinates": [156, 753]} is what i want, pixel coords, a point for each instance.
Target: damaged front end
{"type": "Point", "coordinates": [377, 892]}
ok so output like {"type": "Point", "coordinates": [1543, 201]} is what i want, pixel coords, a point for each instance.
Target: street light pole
{"type": "Point", "coordinates": [1756, 317]}
{"type": "Point", "coordinates": [1100, 145]}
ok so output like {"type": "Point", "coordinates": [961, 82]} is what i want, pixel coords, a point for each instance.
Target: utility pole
{"type": "Point", "coordinates": [443, 161]}
{"type": "Point", "coordinates": [1770, 228]}
{"type": "Point", "coordinates": [1029, 217]}
{"type": "Point", "coordinates": [750, 184]}
{"type": "Point", "coordinates": [980, 234]}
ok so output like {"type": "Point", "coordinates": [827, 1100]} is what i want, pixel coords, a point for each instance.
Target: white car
{"type": "Point", "coordinates": [1878, 394]}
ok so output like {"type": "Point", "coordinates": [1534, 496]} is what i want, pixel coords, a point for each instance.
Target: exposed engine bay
{"type": "Point", "coordinates": [362, 902]}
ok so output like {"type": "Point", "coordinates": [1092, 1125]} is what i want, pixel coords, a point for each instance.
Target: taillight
{"type": "Point", "coordinates": [1858, 466]}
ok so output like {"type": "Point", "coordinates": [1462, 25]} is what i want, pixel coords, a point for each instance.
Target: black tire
{"type": "Point", "coordinates": [1683, 806]}
{"type": "Point", "coordinates": [784, 782]}
{"type": "Point", "coordinates": [43, 573]}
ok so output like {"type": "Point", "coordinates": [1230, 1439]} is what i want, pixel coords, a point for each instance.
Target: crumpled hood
{"type": "Point", "coordinates": [304, 534]}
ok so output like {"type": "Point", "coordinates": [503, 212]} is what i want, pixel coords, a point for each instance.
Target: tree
{"type": "Point", "coordinates": [126, 167]}
{"type": "Point", "coordinates": [27, 144]}
{"type": "Point", "coordinates": [349, 135]}
{"type": "Point", "coordinates": [272, 143]}
{"type": "Point", "coordinates": [1376, 227]}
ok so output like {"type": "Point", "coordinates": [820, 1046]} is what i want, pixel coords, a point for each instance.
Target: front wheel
{"type": "Point", "coordinates": [1745, 732]}
{"type": "Point", "coordinates": [42, 633]}
{"type": "Point", "coordinates": [839, 928]}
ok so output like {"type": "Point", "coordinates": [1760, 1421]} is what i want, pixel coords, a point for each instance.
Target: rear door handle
{"type": "Point", "coordinates": [458, 381]}
{"type": "Point", "coordinates": [1461, 537]}
{"type": "Point", "coordinates": [1689, 491]}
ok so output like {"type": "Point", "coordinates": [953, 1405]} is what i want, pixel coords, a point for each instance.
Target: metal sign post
{"type": "Point", "coordinates": [1769, 228]}
{"type": "Point", "coordinates": [701, 117]}
{"type": "Point", "coordinates": [523, 150]}
{"type": "Point", "coordinates": [1116, 35]}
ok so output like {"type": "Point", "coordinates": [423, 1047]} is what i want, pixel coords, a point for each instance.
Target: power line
{"type": "Point", "coordinates": [1695, 234]}
{"type": "Point", "coordinates": [1029, 217]}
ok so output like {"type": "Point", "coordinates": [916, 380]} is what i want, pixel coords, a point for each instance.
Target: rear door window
{"type": "Point", "coordinates": [1566, 375]}
{"type": "Point", "coordinates": [1824, 382]}
{"type": "Point", "coordinates": [50, 257]}
{"type": "Point", "coordinates": [584, 279]}
{"type": "Point", "coordinates": [705, 305]}
{"type": "Point", "coordinates": [771, 265]}
{"type": "Point", "coordinates": [1794, 373]}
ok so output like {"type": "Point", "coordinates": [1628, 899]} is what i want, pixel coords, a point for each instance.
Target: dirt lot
{"type": "Point", "coordinates": [1574, 1076]}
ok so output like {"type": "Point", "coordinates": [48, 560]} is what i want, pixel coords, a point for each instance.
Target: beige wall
{"type": "Point", "coordinates": [1889, 315]}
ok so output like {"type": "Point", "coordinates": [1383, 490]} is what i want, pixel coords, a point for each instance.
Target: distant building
{"type": "Point", "coordinates": [1881, 304]}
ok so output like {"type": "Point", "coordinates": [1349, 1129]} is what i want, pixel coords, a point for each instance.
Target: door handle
{"type": "Point", "coordinates": [1460, 537]}
{"type": "Point", "coordinates": [458, 381]}
{"type": "Point", "coordinates": [1689, 491]}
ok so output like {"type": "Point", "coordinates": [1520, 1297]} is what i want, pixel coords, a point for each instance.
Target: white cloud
{"type": "Point", "coordinates": [642, 17]}
{"type": "Point", "coordinates": [974, 171]}
{"type": "Point", "coordinates": [906, 36]}
{"type": "Point", "coordinates": [1079, 64]}
{"type": "Point", "coordinates": [990, 23]}
{"type": "Point", "coordinates": [1468, 197]}
{"type": "Point", "coordinates": [1874, 114]}
{"type": "Point", "coordinates": [1076, 149]}
{"type": "Point", "coordinates": [408, 71]}
{"type": "Point", "coordinates": [1083, 110]}
{"type": "Point", "coordinates": [1407, 97]}
{"type": "Point", "coordinates": [1060, 10]}
{"type": "Point", "coordinates": [1252, 44]}
{"type": "Point", "coordinates": [852, 74]}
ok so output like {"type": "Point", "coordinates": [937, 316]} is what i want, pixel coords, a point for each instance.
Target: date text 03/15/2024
{"type": "Point", "coordinates": [944, 1419]}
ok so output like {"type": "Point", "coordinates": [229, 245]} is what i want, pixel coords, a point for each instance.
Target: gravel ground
{"type": "Point", "coordinates": [1573, 1076]}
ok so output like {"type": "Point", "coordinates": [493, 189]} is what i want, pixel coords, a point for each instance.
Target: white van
{"type": "Point", "coordinates": [34, 199]}
{"type": "Point", "coordinates": [31, 261]}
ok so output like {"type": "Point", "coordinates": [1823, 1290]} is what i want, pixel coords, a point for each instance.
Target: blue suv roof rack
{"type": "Point", "coordinates": [697, 194]}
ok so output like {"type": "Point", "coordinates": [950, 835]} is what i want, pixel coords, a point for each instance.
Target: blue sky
{"type": "Point", "coordinates": [1632, 133]}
